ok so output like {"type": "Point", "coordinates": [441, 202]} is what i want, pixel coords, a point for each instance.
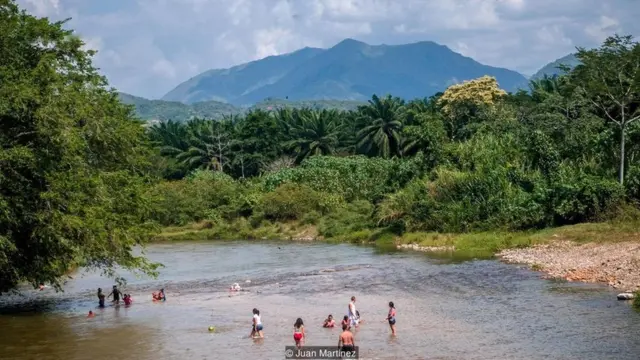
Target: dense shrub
{"type": "Point", "coordinates": [352, 218]}
{"type": "Point", "coordinates": [293, 201]}
{"type": "Point", "coordinates": [353, 178]}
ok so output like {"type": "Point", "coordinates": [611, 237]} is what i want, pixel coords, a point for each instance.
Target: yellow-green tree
{"type": "Point", "coordinates": [468, 104]}
{"type": "Point", "coordinates": [481, 91]}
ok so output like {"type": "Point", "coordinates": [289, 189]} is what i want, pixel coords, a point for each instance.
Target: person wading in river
{"type": "Point", "coordinates": [298, 332]}
{"type": "Point", "coordinates": [100, 298]}
{"type": "Point", "coordinates": [353, 318]}
{"type": "Point", "coordinates": [346, 341]}
{"type": "Point", "coordinates": [256, 329]}
{"type": "Point", "coordinates": [391, 318]}
{"type": "Point", "coordinates": [116, 294]}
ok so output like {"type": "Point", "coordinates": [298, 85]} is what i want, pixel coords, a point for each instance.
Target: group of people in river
{"type": "Point", "coordinates": [116, 294]}
{"type": "Point", "coordinates": [346, 340]}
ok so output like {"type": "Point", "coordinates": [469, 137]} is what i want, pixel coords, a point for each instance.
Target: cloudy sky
{"type": "Point", "coordinates": [146, 47]}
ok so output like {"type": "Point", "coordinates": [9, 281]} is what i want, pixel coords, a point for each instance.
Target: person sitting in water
{"type": "Point", "coordinates": [159, 296]}
{"type": "Point", "coordinates": [127, 299]}
{"type": "Point", "coordinates": [235, 287]}
{"type": "Point", "coordinates": [345, 321]}
{"type": "Point", "coordinates": [329, 322]}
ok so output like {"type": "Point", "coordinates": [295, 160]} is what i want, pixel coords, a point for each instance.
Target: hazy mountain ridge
{"type": "Point", "coordinates": [551, 68]}
{"type": "Point", "coordinates": [350, 70]}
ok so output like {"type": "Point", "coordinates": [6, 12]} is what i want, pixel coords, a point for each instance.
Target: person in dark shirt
{"type": "Point", "coordinates": [101, 298]}
{"type": "Point", "coordinates": [116, 294]}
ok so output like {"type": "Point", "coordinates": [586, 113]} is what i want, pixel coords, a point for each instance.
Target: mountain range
{"type": "Point", "coordinates": [350, 70]}
{"type": "Point", "coordinates": [552, 69]}
{"type": "Point", "coordinates": [343, 76]}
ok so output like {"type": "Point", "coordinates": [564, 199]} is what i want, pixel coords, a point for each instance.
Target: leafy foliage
{"type": "Point", "coordinates": [83, 182]}
{"type": "Point", "coordinates": [72, 159]}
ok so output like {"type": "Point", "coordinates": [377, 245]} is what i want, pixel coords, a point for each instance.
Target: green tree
{"type": "Point", "coordinates": [381, 126]}
{"type": "Point", "coordinates": [71, 159]}
{"type": "Point", "coordinates": [317, 132]}
{"type": "Point", "coordinates": [258, 142]}
{"type": "Point", "coordinates": [209, 145]}
{"type": "Point", "coordinates": [609, 77]}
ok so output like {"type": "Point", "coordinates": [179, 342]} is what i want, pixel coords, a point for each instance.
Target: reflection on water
{"type": "Point", "coordinates": [469, 310]}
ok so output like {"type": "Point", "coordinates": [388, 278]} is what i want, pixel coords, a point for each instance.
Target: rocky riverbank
{"type": "Point", "coordinates": [616, 264]}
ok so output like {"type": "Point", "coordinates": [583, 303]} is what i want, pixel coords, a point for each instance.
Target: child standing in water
{"type": "Point", "coordinates": [391, 318]}
{"type": "Point", "coordinates": [257, 324]}
{"type": "Point", "coordinates": [298, 332]}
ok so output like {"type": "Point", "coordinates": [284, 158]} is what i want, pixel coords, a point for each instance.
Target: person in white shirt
{"type": "Point", "coordinates": [256, 329]}
{"type": "Point", "coordinates": [353, 317]}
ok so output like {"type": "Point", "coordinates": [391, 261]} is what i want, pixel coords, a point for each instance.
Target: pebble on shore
{"type": "Point", "coordinates": [615, 264]}
{"type": "Point", "coordinates": [417, 247]}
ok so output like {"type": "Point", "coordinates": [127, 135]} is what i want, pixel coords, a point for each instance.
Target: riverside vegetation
{"type": "Point", "coordinates": [474, 168]}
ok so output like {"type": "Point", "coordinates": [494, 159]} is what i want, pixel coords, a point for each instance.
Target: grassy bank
{"type": "Point", "coordinates": [468, 245]}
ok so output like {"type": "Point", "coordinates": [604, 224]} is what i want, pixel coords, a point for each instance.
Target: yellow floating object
{"type": "Point", "coordinates": [211, 328]}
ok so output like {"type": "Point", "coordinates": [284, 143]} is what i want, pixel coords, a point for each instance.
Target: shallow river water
{"type": "Point", "coordinates": [468, 310]}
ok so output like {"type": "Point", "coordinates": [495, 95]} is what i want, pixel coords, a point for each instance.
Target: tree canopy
{"type": "Point", "coordinates": [72, 158]}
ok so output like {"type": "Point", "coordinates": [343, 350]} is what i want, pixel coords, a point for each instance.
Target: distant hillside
{"type": "Point", "coordinates": [350, 70]}
{"type": "Point", "coordinates": [172, 110]}
{"type": "Point", "coordinates": [270, 104]}
{"type": "Point", "coordinates": [551, 69]}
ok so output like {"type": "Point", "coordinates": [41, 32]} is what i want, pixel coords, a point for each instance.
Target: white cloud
{"type": "Point", "coordinates": [164, 68]}
{"type": "Point", "coordinates": [605, 27]}
{"type": "Point", "coordinates": [146, 47]}
{"type": "Point", "coordinates": [44, 7]}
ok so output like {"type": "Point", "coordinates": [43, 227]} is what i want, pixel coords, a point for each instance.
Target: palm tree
{"type": "Point", "coordinates": [381, 126]}
{"type": "Point", "coordinates": [170, 137]}
{"type": "Point", "coordinates": [209, 142]}
{"type": "Point", "coordinates": [315, 132]}
{"type": "Point", "coordinates": [547, 85]}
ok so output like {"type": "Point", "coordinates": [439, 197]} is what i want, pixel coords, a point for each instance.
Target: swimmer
{"type": "Point", "coordinates": [298, 332]}
{"type": "Point", "coordinates": [391, 318]}
{"type": "Point", "coordinates": [329, 322]}
{"type": "Point", "coordinates": [91, 314]}
{"type": "Point", "coordinates": [346, 341]}
{"type": "Point", "coordinates": [101, 298]}
{"type": "Point", "coordinates": [256, 325]}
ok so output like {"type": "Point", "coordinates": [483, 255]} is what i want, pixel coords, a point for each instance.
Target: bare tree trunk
{"type": "Point", "coordinates": [622, 154]}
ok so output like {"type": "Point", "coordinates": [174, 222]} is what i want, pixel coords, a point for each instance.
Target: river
{"type": "Point", "coordinates": [466, 310]}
